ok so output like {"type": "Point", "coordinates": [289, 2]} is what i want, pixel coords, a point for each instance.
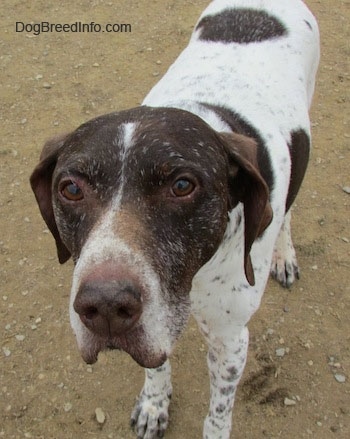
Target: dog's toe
{"type": "Point", "coordinates": [285, 272]}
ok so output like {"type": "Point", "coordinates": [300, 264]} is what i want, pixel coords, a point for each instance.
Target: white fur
{"type": "Point", "coordinates": [128, 135]}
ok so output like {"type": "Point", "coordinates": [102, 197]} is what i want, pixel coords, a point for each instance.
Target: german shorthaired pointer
{"type": "Point", "coordinates": [183, 204]}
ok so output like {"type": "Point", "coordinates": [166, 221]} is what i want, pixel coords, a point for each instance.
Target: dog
{"type": "Point", "coordinates": [183, 205]}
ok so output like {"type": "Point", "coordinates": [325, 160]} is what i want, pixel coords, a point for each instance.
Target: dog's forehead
{"type": "Point", "coordinates": [144, 134]}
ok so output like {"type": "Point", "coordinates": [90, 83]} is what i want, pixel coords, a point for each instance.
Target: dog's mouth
{"type": "Point", "coordinates": [134, 343]}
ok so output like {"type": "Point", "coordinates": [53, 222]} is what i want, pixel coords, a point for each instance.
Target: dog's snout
{"type": "Point", "coordinates": [109, 308]}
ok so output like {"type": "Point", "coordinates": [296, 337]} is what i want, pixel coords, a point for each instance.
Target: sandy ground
{"type": "Point", "coordinates": [53, 82]}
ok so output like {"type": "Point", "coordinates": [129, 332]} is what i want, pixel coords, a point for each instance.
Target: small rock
{"type": "Point", "coordinates": [21, 262]}
{"type": "Point", "coordinates": [20, 337]}
{"type": "Point", "coordinates": [346, 189]}
{"type": "Point", "coordinates": [68, 407]}
{"type": "Point", "coordinates": [331, 360]}
{"type": "Point", "coordinates": [95, 64]}
{"type": "Point", "coordinates": [280, 352]}
{"type": "Point", "coordinates": [321, 221]}
{"type": "Point", "coordinates": [289, 402]}
{"type": "Point", "coordinates": [6, 351]}
{"type": "Point", "coordinates": [47, 85]}
{"type": "Point", "coordinates": [340, 378]}
{"type": "Point", "coordinates": [100, 416]}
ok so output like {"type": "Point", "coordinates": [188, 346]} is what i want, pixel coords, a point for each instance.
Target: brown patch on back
{"type": "Point", "coordinates": [241, 25]}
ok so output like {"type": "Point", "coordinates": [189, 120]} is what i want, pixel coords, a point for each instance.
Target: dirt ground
{"type": "Point", "coordinates": [300, 338]}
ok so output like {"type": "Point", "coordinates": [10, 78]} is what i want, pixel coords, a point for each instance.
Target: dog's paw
{"type": "Point", "coordinates": [284, 266]}
{"type": "Point", "coordinates": [150, 417]}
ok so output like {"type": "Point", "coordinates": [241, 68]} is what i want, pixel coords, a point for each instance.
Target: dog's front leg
{"type": "Point", "coordinates": [226, 361]}
{"type": "Point", "coordinates": [150, 415]}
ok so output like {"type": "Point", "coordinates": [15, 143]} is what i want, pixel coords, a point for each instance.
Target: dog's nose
{"type": "Point", "coordinates": [108, 308]}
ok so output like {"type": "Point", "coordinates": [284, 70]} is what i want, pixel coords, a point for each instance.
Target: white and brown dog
{"type": "Point", "coordinates": [183, 204]}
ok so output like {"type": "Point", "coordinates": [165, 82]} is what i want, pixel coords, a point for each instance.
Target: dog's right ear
{"type": "Point", "coordinates": [41, 182]}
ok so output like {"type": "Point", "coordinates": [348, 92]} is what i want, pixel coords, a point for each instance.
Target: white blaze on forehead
{"type": "Point", "coordinates": [127, 141]}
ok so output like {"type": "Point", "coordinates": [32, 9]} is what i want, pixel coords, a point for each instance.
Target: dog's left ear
{"type": "Point", "coordinates": [247, 185]}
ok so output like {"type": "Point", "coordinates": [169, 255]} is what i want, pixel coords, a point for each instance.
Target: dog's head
{"type": "Point", "coordinates": [140, 200]}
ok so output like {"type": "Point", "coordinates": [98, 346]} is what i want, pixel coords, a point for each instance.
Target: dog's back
{"type": "Point", "coordinates": [238, 53]}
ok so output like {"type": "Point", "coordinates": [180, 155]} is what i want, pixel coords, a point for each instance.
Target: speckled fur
{"type": "Point", "coordinates": [256, 80]}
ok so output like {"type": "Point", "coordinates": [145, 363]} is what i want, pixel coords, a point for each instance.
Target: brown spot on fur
{"type": "Point", "coordinates": [299, 149]}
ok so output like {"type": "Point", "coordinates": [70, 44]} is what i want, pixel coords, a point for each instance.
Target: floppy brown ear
{"type": "Point", "coordinates": [40, 181]}
{"type": "Point", "coordinates": [246, 185]}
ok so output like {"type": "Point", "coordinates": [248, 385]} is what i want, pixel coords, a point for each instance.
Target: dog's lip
{"type": "Point", "coordinates": [130, 344]}
{"type": "Point", "coordinates": [89, 356]}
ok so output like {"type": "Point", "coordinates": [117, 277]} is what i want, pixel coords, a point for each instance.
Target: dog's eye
{"type": "Point", "coordinates": [182, 187]}
{"type": "Point", "coordinates": [71, 191]}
